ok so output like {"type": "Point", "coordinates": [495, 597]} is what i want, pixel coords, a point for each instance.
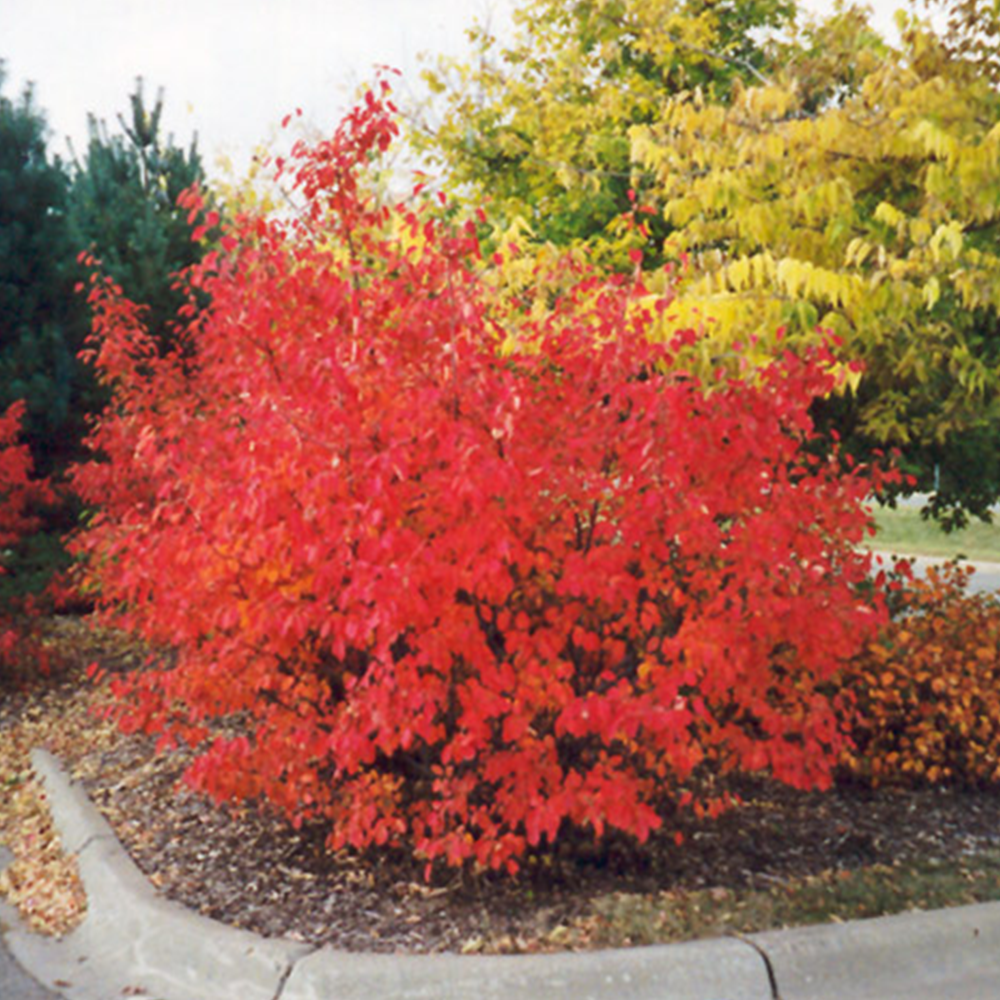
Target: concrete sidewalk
{"type": "Point", "coordinates": [134, 943]}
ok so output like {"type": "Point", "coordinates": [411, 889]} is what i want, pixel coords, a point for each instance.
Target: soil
{"type": "Point", "coordinates": [252, 870]}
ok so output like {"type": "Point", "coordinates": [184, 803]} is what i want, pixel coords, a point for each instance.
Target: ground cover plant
{"type": "Point", "coordinates": [456, 599]}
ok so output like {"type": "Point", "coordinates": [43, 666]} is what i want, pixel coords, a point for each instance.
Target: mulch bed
{"type": "Point", "coordinates": [252, 870]}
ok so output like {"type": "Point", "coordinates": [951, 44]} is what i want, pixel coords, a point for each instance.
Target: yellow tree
{"type": "Point", "coordinates": [973, 31]}
{"type": "Point", "coordinates": [821, 180]}
{"type": "Point", "coordinates": [540, 127]}
{"type": "Point", "coordinates": [875, 215]}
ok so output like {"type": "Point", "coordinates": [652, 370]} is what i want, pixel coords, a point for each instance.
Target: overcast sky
{"type": "Point", "coordinates": [231, 68]}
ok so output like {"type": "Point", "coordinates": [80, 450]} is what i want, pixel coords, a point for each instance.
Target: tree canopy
{"type": "Point", "coordinates": [543, 124]}
{"type": "Point", "coordinates": [37, 332]}
{"type": "Point", "coordinates": [123, 207]}
{"type": "Point", "coordinates": [824, 179]}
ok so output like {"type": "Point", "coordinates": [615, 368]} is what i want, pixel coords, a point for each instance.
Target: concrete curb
{"type": "Point", "coordinates": [133, 940]}
{"type": "Point", "coordinates": [945, 953]}
{"type": "Point", "coordinates": [15, 983]}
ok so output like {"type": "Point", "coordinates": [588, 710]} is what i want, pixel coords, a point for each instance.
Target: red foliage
{"type": "Point", "coordinates": [456, 599]}
{"type": "Point", "coordinates": [20, 654]}
{"type": "Point", "coordinates": [18, 489]}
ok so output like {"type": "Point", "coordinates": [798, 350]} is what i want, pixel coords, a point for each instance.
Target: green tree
{"type": "Point", "coordinates": [39, 321]}
{"type": "Point", "coordinates": [541, 128]}
{"type": "Point", "coordinates": [824, 179]}
{"type": "Point", "coordinates": [874, 212]}
{"type": "Point", "coordinates": [972, 31]}
{"type": "Point", "coordinates": [123, 208]}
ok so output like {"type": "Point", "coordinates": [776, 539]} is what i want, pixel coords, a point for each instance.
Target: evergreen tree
{"type": "Point", "coordinates": [40, 327]}
{"type": "Point", "coordinates": [123, 207]}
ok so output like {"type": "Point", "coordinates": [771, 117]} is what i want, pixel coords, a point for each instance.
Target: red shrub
{"type": "Point", "coordinates": [927, 690]}
{"type": "Point", "coordinates": [20, 654]}
{"type": "Point", "coordinates": [460, 600]}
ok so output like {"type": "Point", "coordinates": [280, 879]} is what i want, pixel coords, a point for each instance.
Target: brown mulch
{"type": "Point", "coordinates": [252, 870]}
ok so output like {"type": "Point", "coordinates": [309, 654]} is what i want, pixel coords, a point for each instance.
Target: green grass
{"type": "Point", "coordinates": [622, 919]}
{"type": "Point", "coordinates": [904, 530]}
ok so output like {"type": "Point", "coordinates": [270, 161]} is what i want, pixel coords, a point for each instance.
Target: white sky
{"type": "Point", "coordinates": [231, 69]}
